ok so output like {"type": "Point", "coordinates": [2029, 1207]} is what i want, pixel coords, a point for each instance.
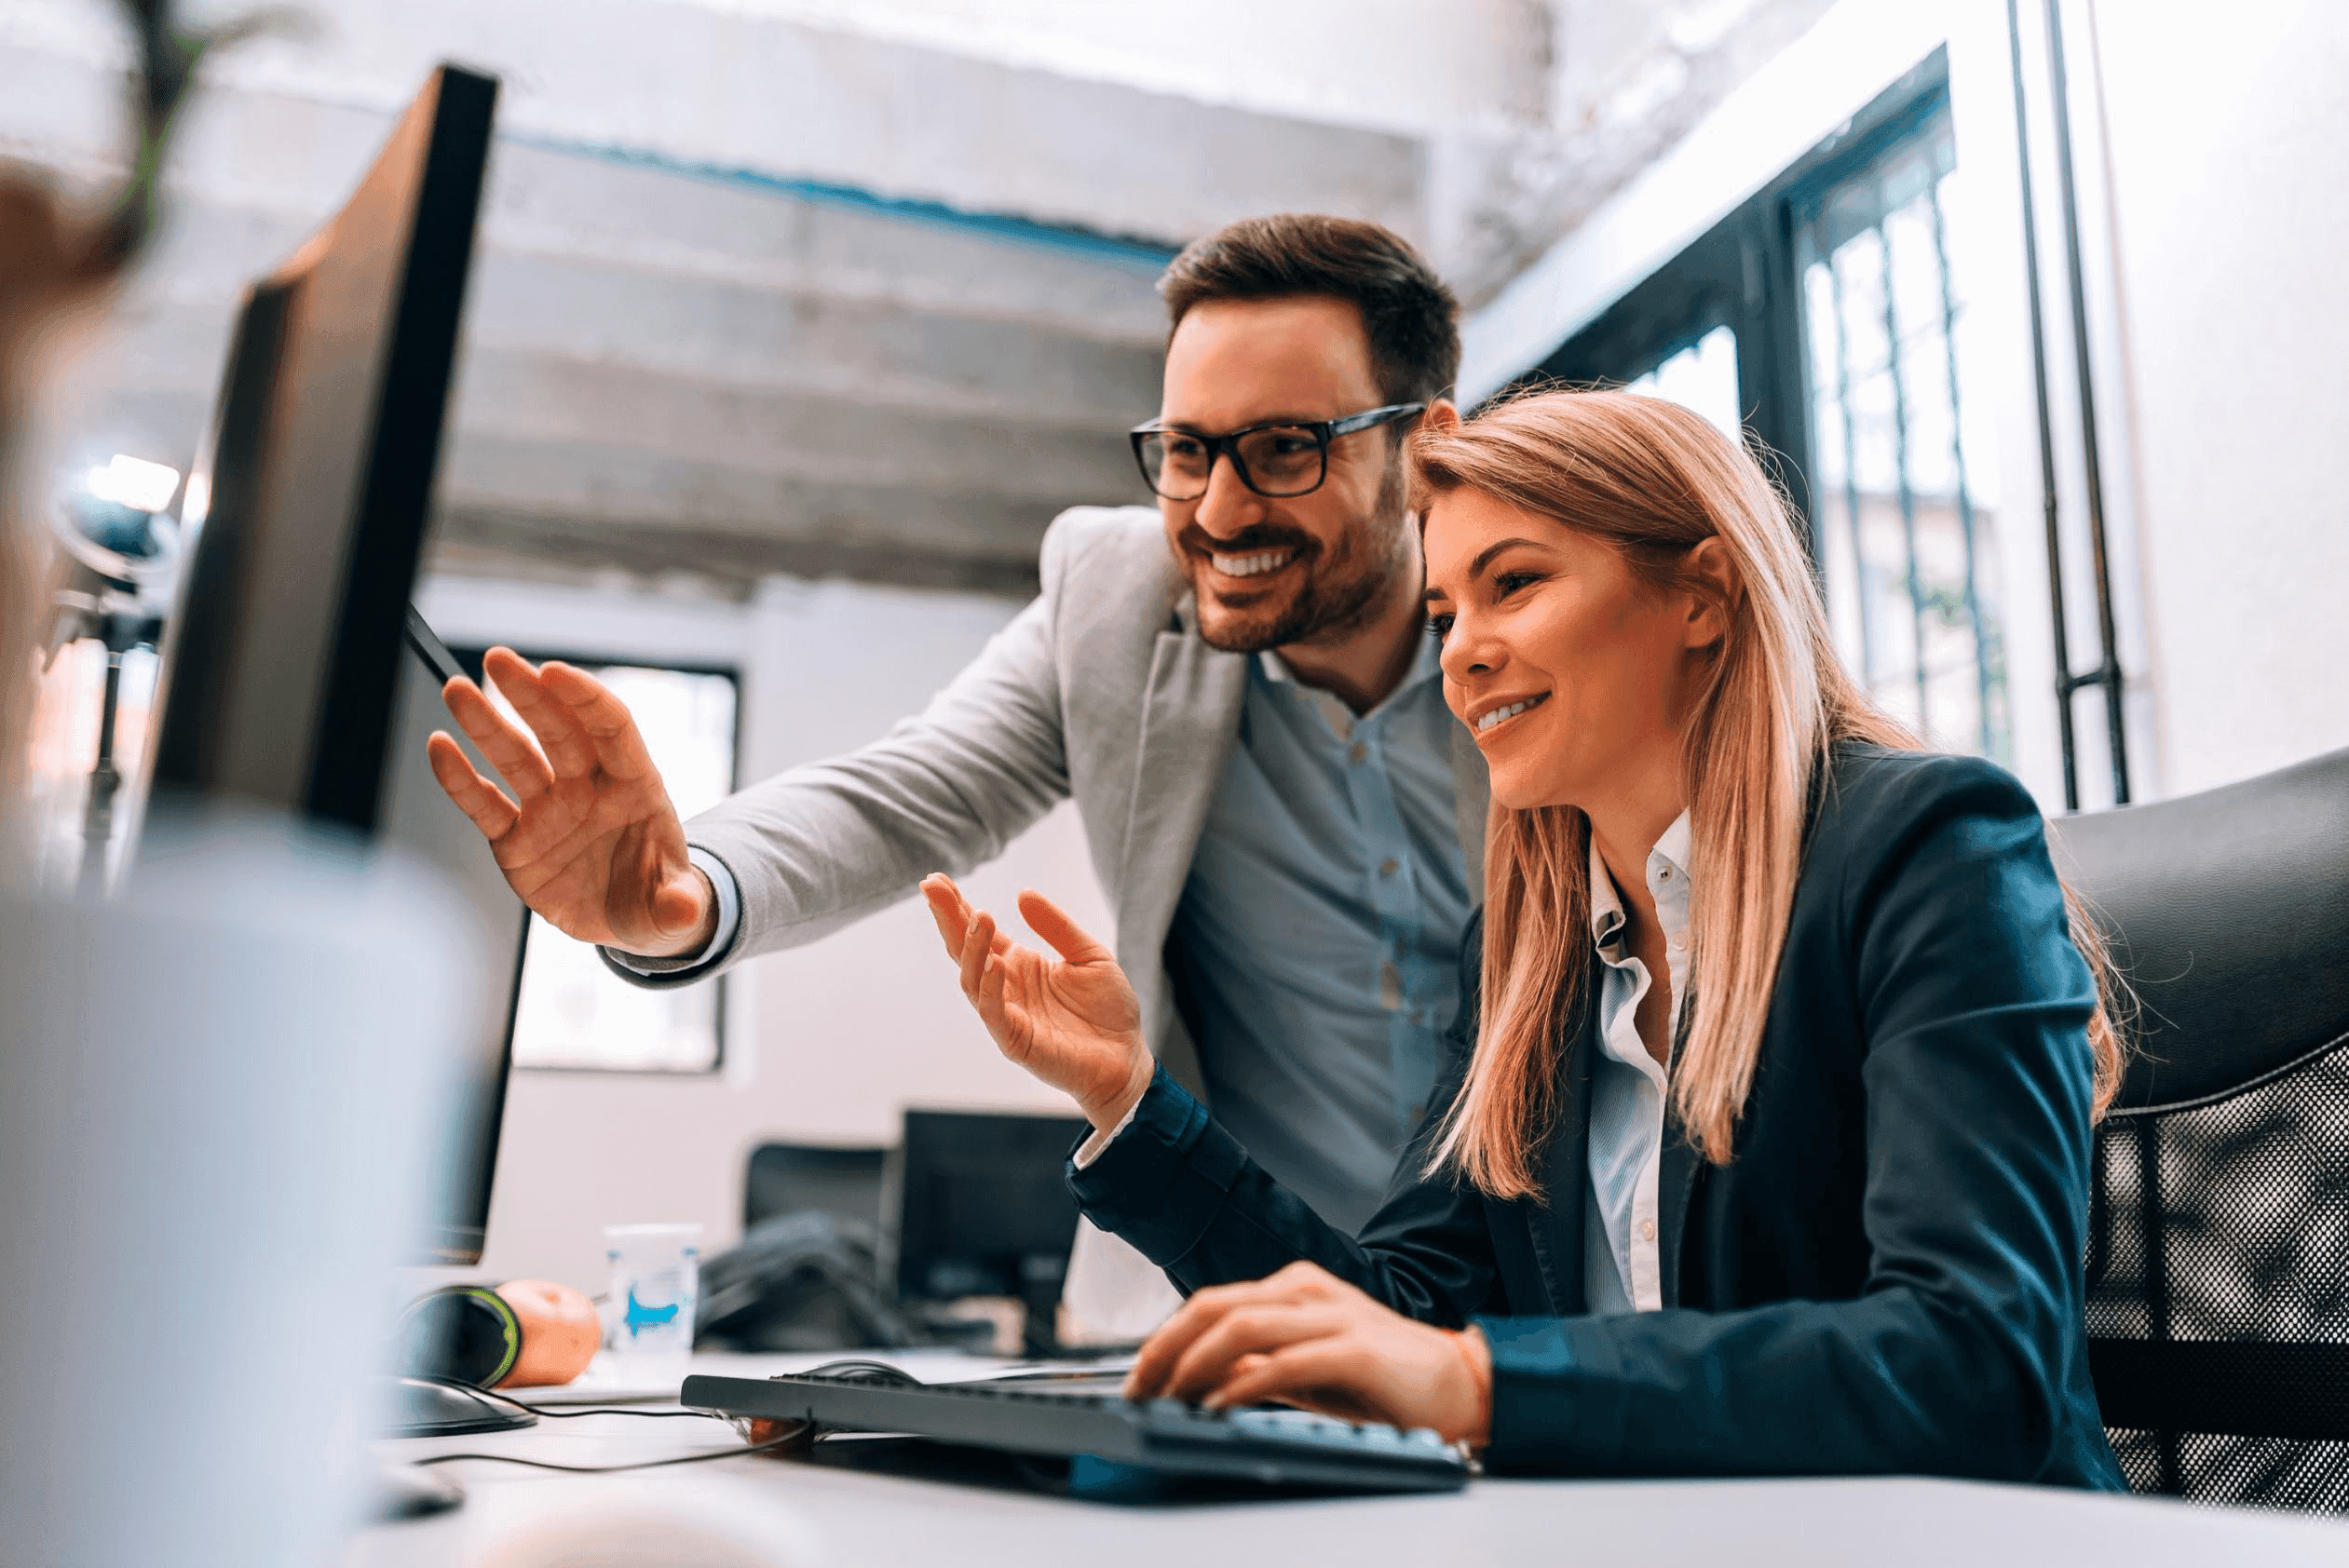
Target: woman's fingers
{"type": "Point", "coordinates": [481, 801]}
{"type": "Point", "coordinates": [978, 942]}
{"type": "Point", "coordinates": [1051, 922]}
{"type": "Point", "coordinates": [1260, 1330]}
{"type": "Point", "coordinates": [947, 912]}
{"type": "Point", "coordinates": [1175, 1337]}
{"type": "Point", "coordinates": [1332, 1373]}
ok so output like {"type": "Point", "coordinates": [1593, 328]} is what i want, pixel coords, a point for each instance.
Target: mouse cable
{"type": "Point", "coordinates": [461, 1386]}
{"type": "Point", "coordinates": [794, 1435]}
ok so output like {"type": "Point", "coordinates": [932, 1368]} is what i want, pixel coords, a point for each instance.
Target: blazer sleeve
{"type": "Point", "coordinates": [1976, 1077]}
{"type": "Point", "coordinates": [1183, 1192]}
{"type": "Point", "coordinates": [822, 846]}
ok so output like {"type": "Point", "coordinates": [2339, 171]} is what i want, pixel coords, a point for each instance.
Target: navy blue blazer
{"type": "Point", "coordinates": [1887, 1275]}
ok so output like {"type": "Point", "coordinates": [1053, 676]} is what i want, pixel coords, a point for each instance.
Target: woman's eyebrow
{"type": "Point", "coordinates": [1485, 558]}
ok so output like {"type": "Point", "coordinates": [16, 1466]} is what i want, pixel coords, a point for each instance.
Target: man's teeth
{"type": "Point", "coordinates": [1488, 721]}
{"type": "Point", "coordinates": [1249, 565]}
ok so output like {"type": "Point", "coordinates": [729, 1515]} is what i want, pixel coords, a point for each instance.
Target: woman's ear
{"type": "Point", "coordinates": [1715, 587]}
{"type": "Point", "coordinates": [1442, 415]}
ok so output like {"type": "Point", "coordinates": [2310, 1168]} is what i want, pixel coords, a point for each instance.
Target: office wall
{"type": "Point", "coordinates": [827, 1043]}
{"type": "Point", "coordinates": [2229, 147]}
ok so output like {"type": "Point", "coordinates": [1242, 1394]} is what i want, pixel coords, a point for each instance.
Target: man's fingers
{"type": "Point", "coordinates": [481, 801]}
{"type": "Point", "coordinates": [569, 751]}
{"type": "Point", "coordinates": [680, 904]}
{"type": "Point", "coordinates": [509, 748]}
{"type": "Point", "coordinates": [601, 719]}
{"type": "Point", "coordinates": [1066, 938]}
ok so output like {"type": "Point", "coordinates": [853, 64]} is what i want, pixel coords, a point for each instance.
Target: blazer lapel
{"type": "Point", "coordinates": [1676, 1176]}
{"type": "Point", "coordinates": [1557, 1225]}
{"type": "Point", "coordinates": [1190, 720]}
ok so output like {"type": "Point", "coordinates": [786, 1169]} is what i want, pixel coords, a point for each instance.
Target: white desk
{"type": "Point", "coordinates": [820, 1516]}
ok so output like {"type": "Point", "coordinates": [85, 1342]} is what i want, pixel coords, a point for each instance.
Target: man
{"type": "Point", "coordinates": [1238, 692]}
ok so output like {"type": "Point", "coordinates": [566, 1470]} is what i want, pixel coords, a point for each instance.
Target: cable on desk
{"type": "Point", "coordinates": [545, 1413]}
{"type": "Point", "coordinates": [794, 1435]}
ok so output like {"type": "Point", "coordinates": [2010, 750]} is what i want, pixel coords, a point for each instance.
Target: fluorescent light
{"type": "Point", "coordinates": [135, 482]}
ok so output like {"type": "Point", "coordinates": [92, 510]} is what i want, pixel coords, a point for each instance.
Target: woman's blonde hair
{"type": "Point", "coordinates": [1653, 480]}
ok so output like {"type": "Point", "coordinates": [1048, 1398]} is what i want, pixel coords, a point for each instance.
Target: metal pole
{"type": "Point", "coordinates": [2064, 685]}
{"type": "Point", "coordinates": [98, 811]}
{"type": "Point", "coordinates": [2108, 674]}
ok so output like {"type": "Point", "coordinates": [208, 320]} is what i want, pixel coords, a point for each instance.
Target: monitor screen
{"type": "Point", "coordinates": [305, 514]}
{"type": "Point", "coordinates": [293, 676]}
{"type": "Point", "coordinates": [982, 1207]}
{"type": "Point", "coordinates": [419, 818]}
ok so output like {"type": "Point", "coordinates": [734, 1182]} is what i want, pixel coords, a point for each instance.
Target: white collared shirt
{"type": "Point", "coordinates": [1621, 1264]}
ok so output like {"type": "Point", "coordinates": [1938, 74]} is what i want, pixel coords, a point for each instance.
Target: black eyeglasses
{"type": "Point", "coordinates": [1273, 460]}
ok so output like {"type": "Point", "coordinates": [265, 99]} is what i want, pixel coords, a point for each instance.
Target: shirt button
{"type": "Point", "coordinates": [1679, 941]}
{"type": "Point", "coordinates": [1358, 753]}
{"type": "Point", "coordinates": [1647, 1230]}
{"type": "Point", "coordinates": [1389, 866]}
{"type": "Point", "coordinates": [1664, 874]}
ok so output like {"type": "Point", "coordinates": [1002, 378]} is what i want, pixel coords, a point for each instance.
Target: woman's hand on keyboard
{"type": "Point", "coordinates": [1305, 1337]}
{"type": "Point", "coordinates": [1071, 1020]}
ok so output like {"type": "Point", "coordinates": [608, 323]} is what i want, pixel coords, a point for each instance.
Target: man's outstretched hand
{"type": "Point", "coordinates": [588, 838]}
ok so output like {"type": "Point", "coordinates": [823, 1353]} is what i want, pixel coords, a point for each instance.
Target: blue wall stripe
{"type": "Point", "coordinates": [1148, 256]}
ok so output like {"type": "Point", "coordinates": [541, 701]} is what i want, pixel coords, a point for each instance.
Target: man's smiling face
{"type": "Point", "coordinates": [1313, 568]}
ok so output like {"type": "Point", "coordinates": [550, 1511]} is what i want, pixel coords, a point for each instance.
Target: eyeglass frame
{"type": "Point", "coordinates": [1228, 445]}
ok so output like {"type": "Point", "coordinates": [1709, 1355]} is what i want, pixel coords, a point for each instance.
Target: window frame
{"type": "Point", "coordinates": [1743, 272]}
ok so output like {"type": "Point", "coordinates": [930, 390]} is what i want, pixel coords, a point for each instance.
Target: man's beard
{"type": "Point", "coordinates": [1341, 591]}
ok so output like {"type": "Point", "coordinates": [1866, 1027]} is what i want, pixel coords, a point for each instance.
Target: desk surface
{"type": "Point", "coordinates": [760, 1509]}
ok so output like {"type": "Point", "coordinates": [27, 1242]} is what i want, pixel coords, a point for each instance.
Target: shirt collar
{"type": "Point", "coordinates": [1607, 905]}
{"type": "Point", "coordinates": [1426, 665]}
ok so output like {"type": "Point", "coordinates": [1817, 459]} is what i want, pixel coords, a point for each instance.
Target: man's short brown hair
{"type": "Point", "coordinates": [1410, 318]}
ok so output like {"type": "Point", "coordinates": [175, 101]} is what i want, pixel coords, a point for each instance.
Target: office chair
{"type": "Point", "coordinates": [842, 1182]}
{"type": "Point", "coordinates": [2219, 1249]}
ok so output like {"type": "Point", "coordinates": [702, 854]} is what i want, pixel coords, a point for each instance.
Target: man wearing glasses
{"type": "Point", "coordinates": [1237, 692]}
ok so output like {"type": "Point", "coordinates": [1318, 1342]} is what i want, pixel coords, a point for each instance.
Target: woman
{"type": "Point", "coordinates": [1764, 1143]}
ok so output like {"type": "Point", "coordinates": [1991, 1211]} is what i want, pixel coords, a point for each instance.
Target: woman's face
{"type": "Point", "coordinates": [1573, 675]}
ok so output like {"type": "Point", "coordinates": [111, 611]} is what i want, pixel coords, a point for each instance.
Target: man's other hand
{"type": "Point", "coordinates": [587, 837]}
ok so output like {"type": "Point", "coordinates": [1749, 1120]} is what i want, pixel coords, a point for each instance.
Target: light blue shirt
{"type": "Point", "coordinates": [1315, 950]}
{"type": "Point", "coordinates": [1622, 1268]}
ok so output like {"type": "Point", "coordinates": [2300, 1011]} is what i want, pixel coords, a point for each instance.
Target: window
{"type": "Point", "coordinates": [573, 1013]}
{"type": "Point", "coordinates": [1822, 321]}
{"type": "Point", "coordinates": [1901, 489]}
{"type": "Point", "coordinates": [1702, 377]}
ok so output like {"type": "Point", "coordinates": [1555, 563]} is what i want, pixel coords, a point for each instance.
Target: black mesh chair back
{"type": "Point", "coordinates": [845, 1183]}
{"type": "Point", "coordinates": [2219, 1252]}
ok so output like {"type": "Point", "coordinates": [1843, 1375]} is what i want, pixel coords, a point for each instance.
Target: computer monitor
{"type": "Point", "coordinates": [307, 508]}
{"type": "Point", "coordinates": [294, 675]}
{"type": "Point", "coordinates": [983, 1210]}
{"type": "Point", "coordinates": [419, 817]}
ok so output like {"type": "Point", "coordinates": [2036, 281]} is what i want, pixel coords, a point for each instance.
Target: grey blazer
{"type": "Point", "coordinates": [1100, 690]}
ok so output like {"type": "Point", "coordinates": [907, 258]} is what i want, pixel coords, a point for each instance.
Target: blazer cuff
{"type": "Point", "coordinates": [1536, 1396]}
{"type": "Point", "coordinates": [686, 968]}
{"type": "Point", "coordinates": [1162, 1179]}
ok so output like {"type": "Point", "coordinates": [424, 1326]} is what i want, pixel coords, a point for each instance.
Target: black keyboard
{"type": "Point", "coordinates": [1086, 1420]}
